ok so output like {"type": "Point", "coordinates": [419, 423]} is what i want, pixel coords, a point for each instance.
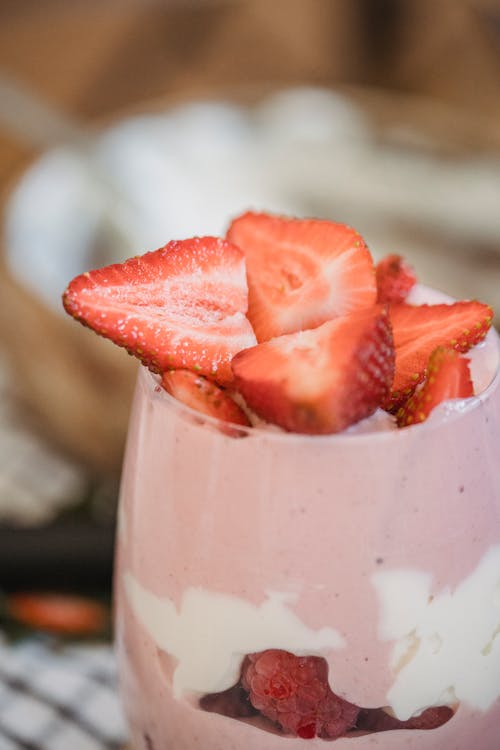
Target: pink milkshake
{"type": "Point", "coordinates": [379, 551]}
{"type": "Point", "coordinates": [308, 539]}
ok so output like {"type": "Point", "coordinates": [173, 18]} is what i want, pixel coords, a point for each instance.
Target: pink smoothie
{"type": "Point", "coordinates": [377, 549]}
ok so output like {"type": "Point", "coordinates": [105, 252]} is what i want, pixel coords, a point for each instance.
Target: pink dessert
{"type": "Point", "coordinates": [324, 575]}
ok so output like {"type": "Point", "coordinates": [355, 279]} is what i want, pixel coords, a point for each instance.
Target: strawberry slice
{"type": "Point", "coordinates": [448, 376]}
{"type": "Point", "coordinates": [395, 278]}
{"type": "Point", "coordinates": [182, 306]}
{"type": "Point", "coordinates": [301, 273]}
{"type": "Point", "coordinates": [418, 330]}
{"type": "Point", "coordinates": [200, 394]}
{"type": "Point", "coordinates": [321, 380]}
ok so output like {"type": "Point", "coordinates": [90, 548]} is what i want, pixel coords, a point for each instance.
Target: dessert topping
{"type": "Point", "coordinates": [182, 306]}
{"type": "Point", "coordinates": [200, 394]}
{"type": "Point", "coordinates": [321, 380]}
{"type": "Point", "coordinates": [301, 273]}
{"type": "Point", "coordinates": [395, 278]}
{"type": "Point", "coordinates": [448, 376]}
{"type": "Point", "coordinates": [419, 329]}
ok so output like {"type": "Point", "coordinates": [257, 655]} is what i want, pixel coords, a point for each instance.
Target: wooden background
{"type": "Point", "coordinates": [431, 63]}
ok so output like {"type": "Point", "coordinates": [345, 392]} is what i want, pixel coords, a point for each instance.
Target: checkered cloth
{"type": "Point", "coordinates": [58, 697]}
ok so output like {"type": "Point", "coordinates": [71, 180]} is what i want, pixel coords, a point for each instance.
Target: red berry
{"type": "Point", "coordinates": [294, 692]}
{"type": "Point", "coordinates": [420, 329]}
{"type": "Point", "coordinates": [322, 380]}
{"type": "Point", "coordinates": [301, 273]}
{"type": "Point", "coordinates": [200, 394]}
{"type": "Point", "coordinates": [182, 306]}
{"type": "Point", "coordinates": [395, 278]}
{"type": "Point", "coordinates": [448, 377]}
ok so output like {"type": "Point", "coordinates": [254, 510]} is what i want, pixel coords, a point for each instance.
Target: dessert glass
{"type": "Point", "coordinates": [379, 551]}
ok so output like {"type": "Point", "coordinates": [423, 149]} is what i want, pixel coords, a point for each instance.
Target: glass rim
{"type": "Point", "coordinates": [231, 429]}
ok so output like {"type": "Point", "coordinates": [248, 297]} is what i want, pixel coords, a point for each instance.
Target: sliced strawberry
{"type": "Point", "coordinates": [418, 330]}
{"type": "Point", "coordinates": [395, 278]}
{"type": "Point", "coordinates": [302, 273]}
{"type": "Point", "coordinates": [200, 394]}
{"type": "Point", "coordinates": [321, 380]}
{"type": "Point", "coordinates": [182, 306]}
{"type": "Point", "coordinates": [448, 376]}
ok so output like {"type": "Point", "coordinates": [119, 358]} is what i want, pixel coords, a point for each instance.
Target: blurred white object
{"type": "Point", "coordinates": [190, 170]}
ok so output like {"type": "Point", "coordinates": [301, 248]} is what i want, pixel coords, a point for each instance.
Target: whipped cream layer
{"type": "Point", "coordinates": [447, 643]}
{"type": "Point", "coordinates": [210, 633]}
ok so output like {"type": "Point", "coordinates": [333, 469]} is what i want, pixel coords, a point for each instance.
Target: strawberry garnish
{"type": "Point", "coordinates": [294, 692]}
{"type": "Point", "coordinates": [302, 273]}
{"type": "Point", "coordinates": [448, 377]}
{"type": "Point", "coordinates": [201, 395]}
{"type": "Point", "coordinates": [418, 330]}
{"type": "Point", "coordinates": [182, 306]}
{"type": "Point", "coordinates": [321, 380]}
{"type": "Point", "coordinates": [395, 278]}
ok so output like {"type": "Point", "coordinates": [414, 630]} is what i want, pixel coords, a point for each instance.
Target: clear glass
{"type": "Point", "coordinates": [380, 552]}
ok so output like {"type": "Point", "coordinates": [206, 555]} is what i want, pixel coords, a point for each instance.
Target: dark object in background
{"type": "Point", "coordinates": [64, 556]}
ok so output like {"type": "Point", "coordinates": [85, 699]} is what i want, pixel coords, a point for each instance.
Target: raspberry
{"type": "Point", "coordinates": [293, 691]}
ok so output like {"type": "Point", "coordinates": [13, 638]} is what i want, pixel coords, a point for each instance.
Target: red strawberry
{"type": "Point", "coordinates": [301, 273]}
{"type": "Point", "coordinates": [293, 691]}
{"type": "Point", "coordinates": [395, 277]}
{"type": "Point", "coordinates": [182, 306]}
{"type": "Point", "coordinates": [200, 394]}
{"type": "Point", "coordinates": [448, 376]}
{"type": "Point", "coordinates": [378, 720]}
{"type": "Point", "coordinates": [418, 330]}
{"type": "Point", "coordinates": [321, 380]}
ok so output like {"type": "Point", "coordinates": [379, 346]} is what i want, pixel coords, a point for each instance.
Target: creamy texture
{"type": "Point", "coordinates": [446, 641]}
{"type": "Point", "coordinates": [446, 649]}
{"type": "Point", "coordinates": [340, 526]}
{"type": "Point", "coordinates": [210, 633]}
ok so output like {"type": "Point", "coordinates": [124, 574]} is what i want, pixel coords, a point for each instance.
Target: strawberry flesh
{"type": "Point", "coordinates": [322, 380]}
{"type": "Point", "coordinates": [418, 330]}
{"type": "Point", "coordinates": [202, 395]}
{"type": "Point", "coordinates": [395, 278]}
{"type": "Point", "coordinates": [448, 377]}
{"type": "Point", "coordinates": [301, 273]}
{"type": "Point", "coordinates": [182, 306]}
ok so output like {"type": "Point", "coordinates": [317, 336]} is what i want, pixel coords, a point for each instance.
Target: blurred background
{"type": "Point", "coordinates": [126, 123]}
